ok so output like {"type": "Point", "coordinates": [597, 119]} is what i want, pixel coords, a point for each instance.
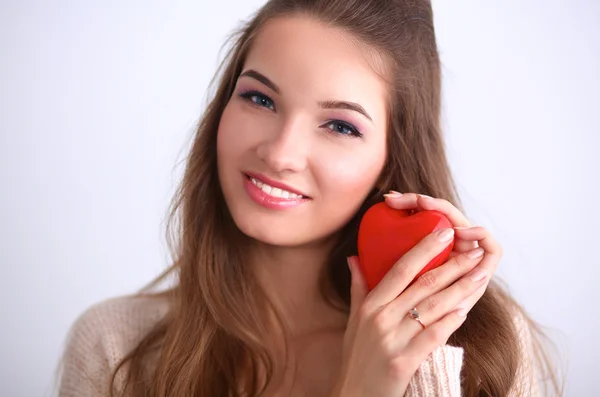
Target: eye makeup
{"type": "Point", "coordinates": [338, 124]}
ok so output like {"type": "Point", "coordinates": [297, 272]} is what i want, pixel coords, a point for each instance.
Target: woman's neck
{"type": "Point", "coordinates": [291, 276]}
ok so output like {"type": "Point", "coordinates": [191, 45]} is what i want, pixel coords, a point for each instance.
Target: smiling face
{"type": "Point", "coordinates": [302, 141]}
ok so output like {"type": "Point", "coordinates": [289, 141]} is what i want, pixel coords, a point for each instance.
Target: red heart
{"type": "Point", "coordinates": [385, 234]}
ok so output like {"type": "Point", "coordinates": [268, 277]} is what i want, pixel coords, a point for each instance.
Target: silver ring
{"type": "Point", "coordinates": [414, 313]}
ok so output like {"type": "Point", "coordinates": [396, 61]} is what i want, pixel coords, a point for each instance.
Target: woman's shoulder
{"type": "Point", "coordinates": [129, 314]}
{"type": "Point", "coordinates": [102, 336]}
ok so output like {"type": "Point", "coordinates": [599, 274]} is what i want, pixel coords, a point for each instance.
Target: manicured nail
{"type": "Point", "coordinates": [478, 275]}
{"type": "Point", "coordinates": [445, 235]}
{"type": "Point", "coordinates": [426, 197]}
{"type": "Point", "coordinates": [393, 194]}
{"type": "Point", "coordinates": [475, 253]}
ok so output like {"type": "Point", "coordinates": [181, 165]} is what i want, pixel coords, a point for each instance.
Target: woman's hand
{"type": "Point", "coordinates": [466, 237]}
{"type": "Point", "coordinates": [383, 345]}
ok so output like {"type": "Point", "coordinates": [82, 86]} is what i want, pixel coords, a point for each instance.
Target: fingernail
{"type": "Point", "coordinates": [475, 253]}
{"type": "Point", "coordinates": [462, 312]}
{"type": "Point", "coordinates": [351, 263]}
{"type": "Point", "coordinates": [478, 275]}
{"type": "Point", "coordinates": [393, 194]}
{"type": "Point", "coordinates": [445, 235]}
{"type": "Point", "coordinates": [426, 197]}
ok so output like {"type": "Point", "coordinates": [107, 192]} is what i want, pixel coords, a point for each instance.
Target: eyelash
{"type": "Point", "coordinates": [353, 131]}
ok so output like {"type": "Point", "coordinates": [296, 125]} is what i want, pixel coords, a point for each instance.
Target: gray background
{"type": "Point", "coordinates": [97, 105]}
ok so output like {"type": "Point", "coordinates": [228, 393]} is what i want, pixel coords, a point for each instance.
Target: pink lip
{"type": "Point", "coordinates": [274, 203]}
{"type": "Point", "coordinates": [273, 183]}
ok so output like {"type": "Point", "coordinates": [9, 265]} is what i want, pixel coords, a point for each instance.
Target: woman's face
{"type": "Point", "coordinates": [302, 141]}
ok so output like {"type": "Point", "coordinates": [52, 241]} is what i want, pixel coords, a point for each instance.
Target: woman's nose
{"type": "Point", "coordinates": [287, 148]}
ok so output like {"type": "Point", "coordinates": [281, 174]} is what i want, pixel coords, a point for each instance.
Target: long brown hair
{"type": "Point", "coordinates": [212, 324]}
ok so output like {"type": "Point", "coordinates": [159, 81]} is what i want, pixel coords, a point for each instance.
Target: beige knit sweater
{"type": "Point", "coordinates": [107, 331]}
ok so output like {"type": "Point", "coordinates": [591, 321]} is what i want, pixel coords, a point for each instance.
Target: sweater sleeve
{"type": "Point", "coordinates": [438, 375]}
{"type": "Point", "coordinates": [85, 367]}
{"type": "Point", "coordinates": [98, 341]}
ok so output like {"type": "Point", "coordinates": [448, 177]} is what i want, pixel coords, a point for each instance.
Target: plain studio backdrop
{"type": "Point", "coordinates": [98, 102]}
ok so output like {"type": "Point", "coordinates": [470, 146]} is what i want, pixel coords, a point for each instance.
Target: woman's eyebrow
{"type": "Point", "coordinates": [262, 78]}
{"type": "Point", "coordinates": [323, 105]}
{"type": "Point", "coordinates": [345, 105]}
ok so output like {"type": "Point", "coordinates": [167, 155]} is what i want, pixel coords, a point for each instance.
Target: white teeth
{"type": "Point", "coordinates": [266, 189]}
{"type": "Point", "coordinates": [274, 191]}
{"type": "Point", "coordinates": [257, 183]}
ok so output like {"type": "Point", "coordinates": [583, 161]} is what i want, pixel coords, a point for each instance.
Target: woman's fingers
{"type": "Point", "coordinates": [472, 299]}
{"type": "Point", "coordinates": [404, 271]}
{"type": "Point", "coordinates": [493, 250]}
{"type": "Point", "coordinates": [436, 306]}
{"type": "Point", "coordinates": [408, 201]}
{"type": "Point", "coordinates": [413, 201]}
{"type": "Point", "coordinates": [489, 264]}
{"type": "Point", "coordinates": [471, 233]}
{"type": "Point", "coordinates": [464, 293]}
{"type": "Point", "coordinates": [407, 267]}
{"type": "Point", "coordinates": [458, 284]}
{"type": "Point", "coordinates": [456, 217]}
{"type": "Point", "coordinates": [435, 281]}
{"type": "Point", "coordinates": [434, 335]}
{"type": "Point", "coordinates": [489, 244]}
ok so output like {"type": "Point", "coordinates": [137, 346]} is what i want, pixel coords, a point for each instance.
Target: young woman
{"type": "Point", "coordinates": [323, 107]}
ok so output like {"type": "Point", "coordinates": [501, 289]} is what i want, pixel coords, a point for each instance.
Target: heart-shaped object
{"type": "Point", "coordinates": [385, 234]}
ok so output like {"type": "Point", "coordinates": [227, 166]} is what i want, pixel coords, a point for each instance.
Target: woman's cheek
{"type": "Point", "coordinates": [351, 176]}
{"type": "Point", "coordinates": [236, 131]}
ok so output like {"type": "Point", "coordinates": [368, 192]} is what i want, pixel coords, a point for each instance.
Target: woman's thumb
{"type": "Point", "coordinates": [358, 288]}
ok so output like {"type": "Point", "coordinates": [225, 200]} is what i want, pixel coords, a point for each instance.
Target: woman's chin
{"type": "Point", "coordinates": [273, 234]}
{"type": "Point", "coordinates": [273, 237]}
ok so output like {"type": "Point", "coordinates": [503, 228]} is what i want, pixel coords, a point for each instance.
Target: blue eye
{"type": "Point", "coordinates": [343, 128]}
{"type": "Point", "coordinates": [258, 99]}
{"type": "Point", "coordinates": [336, 126]}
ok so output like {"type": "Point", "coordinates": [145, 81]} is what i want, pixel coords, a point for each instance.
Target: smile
{"type": "Point", "coordinates": [274, 191]}
{"type": "Point", "coordinates": [272, 194]}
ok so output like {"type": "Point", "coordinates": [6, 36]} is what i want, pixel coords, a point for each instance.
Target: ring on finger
{"type": "Point", "coordinates": [414, 314]}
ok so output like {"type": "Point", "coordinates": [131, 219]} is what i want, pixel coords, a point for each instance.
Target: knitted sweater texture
{"type": "Point", "coordinates": [108, 330]}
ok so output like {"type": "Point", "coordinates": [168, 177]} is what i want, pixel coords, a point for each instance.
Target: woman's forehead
{"type": "Point", "coordinates": [306, 57]}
